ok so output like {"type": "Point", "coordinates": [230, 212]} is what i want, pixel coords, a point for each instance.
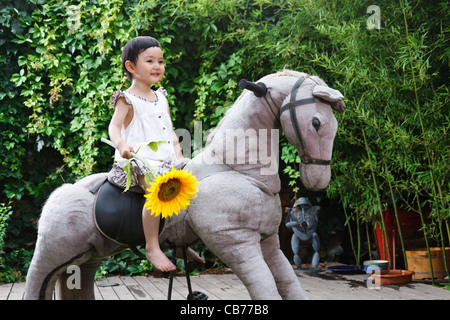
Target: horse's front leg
{"type": "Point", "coordinates": [287, 282]}
{"type": "Point", "coordinates": [241, 251]}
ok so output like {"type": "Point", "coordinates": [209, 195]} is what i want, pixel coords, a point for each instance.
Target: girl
{"type": "Point", "coordinates": [142, 115]}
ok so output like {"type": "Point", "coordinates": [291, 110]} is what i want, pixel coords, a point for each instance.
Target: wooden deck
{"type": "Point", "coordinates": [217, 287]}
{"type": "Point", "coordinates": [321, 286]}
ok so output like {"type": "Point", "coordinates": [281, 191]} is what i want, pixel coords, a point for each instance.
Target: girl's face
{"type": "Point", "coordinates": [149, 67]}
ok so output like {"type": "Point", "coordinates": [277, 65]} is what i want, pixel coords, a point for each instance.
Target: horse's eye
{"type": "Point", "coordinates": [316, 123]}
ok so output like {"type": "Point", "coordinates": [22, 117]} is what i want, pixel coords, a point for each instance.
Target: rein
{"type": "Point", "coordinates": [260, 90]}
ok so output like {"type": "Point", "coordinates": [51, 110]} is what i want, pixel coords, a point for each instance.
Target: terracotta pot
{"type": "Point", "coordinates": [394, 277]}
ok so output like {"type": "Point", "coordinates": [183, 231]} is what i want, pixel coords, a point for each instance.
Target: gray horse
{"type": "Point", "coordinates": [237, 211]}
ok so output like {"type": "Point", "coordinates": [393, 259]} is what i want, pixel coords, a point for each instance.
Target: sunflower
{"type": "Point", "coordinates": [171, 192]}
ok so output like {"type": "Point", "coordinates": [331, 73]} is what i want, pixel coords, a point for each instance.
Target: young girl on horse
{"type": "Point", "coordinates": [142, 115]}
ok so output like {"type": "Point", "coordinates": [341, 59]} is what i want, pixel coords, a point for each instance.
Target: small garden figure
{"type": "Point", "coordinates": [302, 218]}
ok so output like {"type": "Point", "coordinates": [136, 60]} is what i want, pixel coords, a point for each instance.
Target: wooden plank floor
{"type": "Point", "coordinates": [321, 286]}
{"type": "Point", "coordinates": [217, 287]}
{"type": "Point", "coordinates": [331, 286]}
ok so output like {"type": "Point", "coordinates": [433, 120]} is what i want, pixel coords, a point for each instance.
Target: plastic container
{"type": "Point", "coordinates": [345, 269]}
{"type": "Point", "coordinates": [371, 266]}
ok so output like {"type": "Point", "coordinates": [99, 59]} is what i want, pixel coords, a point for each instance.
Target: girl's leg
{"type": "Point", "coordinates": [151, 228]}
{"type": "Point", "coordinates": [152, 250]}
{"type": "Point", "coordinates": [190, 255]}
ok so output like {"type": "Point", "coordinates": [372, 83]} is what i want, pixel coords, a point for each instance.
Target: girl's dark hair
{"type": "Point", "coordinates": [134, 47]}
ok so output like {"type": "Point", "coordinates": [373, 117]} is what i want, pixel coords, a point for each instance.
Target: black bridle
{"type": "Point", "coordinates": [260, 90]}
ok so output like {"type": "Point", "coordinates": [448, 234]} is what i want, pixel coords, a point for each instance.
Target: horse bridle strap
{"type": "Point", "coordinates": [291, 106]}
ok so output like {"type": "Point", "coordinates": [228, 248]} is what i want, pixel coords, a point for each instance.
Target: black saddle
{"type": "Point", "coordinates": [118, 214]}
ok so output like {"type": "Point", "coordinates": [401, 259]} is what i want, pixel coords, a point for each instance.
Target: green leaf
{"type": "Point", "coordinates": [128, 170]}
{"type": "Point", "coordinates": [151, 175]}
{"type": "Point", "coordinates": [155, 144]}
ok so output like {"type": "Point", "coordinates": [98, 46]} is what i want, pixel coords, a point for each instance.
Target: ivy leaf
{"type": "Point", "coordinates": [155, 144]}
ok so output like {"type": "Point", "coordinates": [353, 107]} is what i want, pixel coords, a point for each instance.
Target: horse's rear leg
{"type": "Point", "coordinates": [287, 282]}
{"type": "Point", "coordinates": [40, 281]}
{"type": "Point", "coordinates": [77, 282]}
{"type": "Point", "coordinates": [44, 272]}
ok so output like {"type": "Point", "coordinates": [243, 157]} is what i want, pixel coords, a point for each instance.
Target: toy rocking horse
{"type": "Point", "coordinates": [237, 211]}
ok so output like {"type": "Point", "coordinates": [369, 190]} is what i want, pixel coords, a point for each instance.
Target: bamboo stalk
{"type": "Point", "coordinates": [347, 221]}
{"type": "Point", "coordinates": [442, 235]}
{"type": "Point", "coordinates": [377, 193]}
{"type": "Point", "coordinates": [425, 233]}
{"type": "Point", "coordinates": [398, 222]}
{"type": "Point", "coordinates": [359, 242]}
{"type": "Point", "coordinates": [368, 240]}
{"type": "Point", "coordinates": [444, 205]}
{"type": "Point", "coordinates": [427, 151]}
{"type": "Point", "coordinates": [443, 248]}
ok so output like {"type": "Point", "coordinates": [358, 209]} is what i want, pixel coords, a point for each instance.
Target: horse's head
{"type": "Point", "coordinates": [309, 124]}
{"type": "Point", "coordinates": [307, 119]}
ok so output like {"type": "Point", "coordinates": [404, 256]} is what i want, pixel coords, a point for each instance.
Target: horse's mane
{"type": "Point", "coordinates": [295, 74]}
{"type": "Point", "coordinates": [284, 73]}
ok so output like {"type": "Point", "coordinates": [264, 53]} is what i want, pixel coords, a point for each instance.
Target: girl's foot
{"type": "Point", "coordinates": [190, 255]}
{"type": "Point", "coordinates": [159, 260]}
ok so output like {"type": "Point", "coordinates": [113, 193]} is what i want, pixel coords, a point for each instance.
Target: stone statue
{"type": "Point", "coordinates": [302, 218]}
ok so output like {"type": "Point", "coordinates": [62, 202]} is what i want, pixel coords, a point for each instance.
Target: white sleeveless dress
{"type": "Point", "coordinates": [151, 122]}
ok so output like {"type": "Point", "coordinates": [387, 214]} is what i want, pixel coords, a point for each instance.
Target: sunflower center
{"type": "Point", "coordinates": [169, 190]}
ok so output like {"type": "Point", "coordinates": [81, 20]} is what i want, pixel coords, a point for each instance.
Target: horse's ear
{"type": "Point", "coordinates": [338, 106]}
{"type": "Point", "coordinates": [334, 97]}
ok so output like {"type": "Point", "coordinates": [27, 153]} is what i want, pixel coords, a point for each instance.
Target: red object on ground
{"type": "Point", "coordinates": [410, 225]}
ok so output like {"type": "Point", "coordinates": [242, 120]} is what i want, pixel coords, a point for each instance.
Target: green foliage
{"type": "Point", "coordinates": [14, 265]}
{"type": "Point", "coordinates": [395, 128]}
{"type": "Point", "coordinates": [127, 263]}
{"type": "Point", "coordinates": [5, 213]}
{"type": "Point", "coordinates": [60, 62]}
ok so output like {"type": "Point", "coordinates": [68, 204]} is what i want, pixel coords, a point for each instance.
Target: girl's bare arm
{"type": "Point", "coordinates": [123, 114]}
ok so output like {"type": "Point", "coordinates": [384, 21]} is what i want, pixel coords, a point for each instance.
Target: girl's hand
{"type": "Point", "coordinates": [125, 150]}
